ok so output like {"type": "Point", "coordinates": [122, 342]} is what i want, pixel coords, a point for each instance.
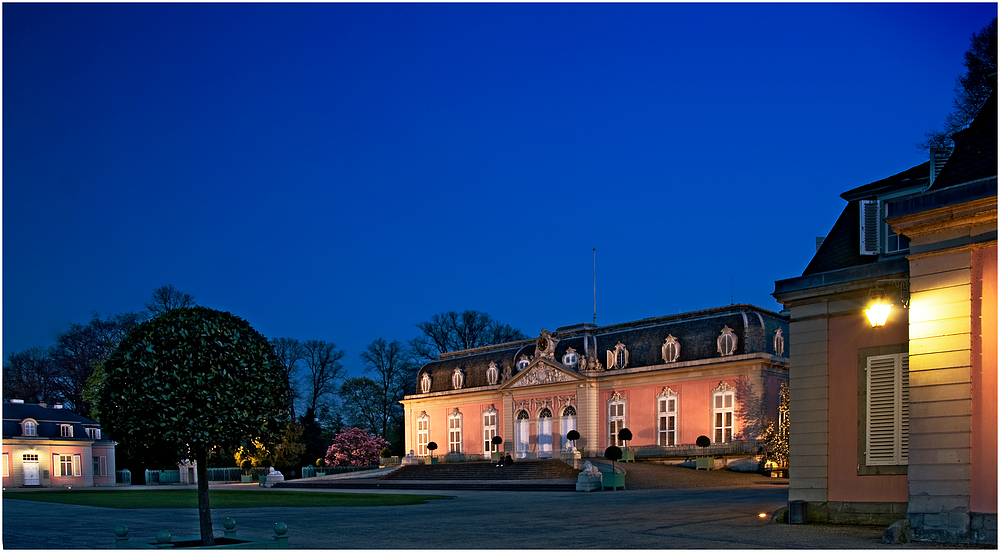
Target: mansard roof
{"type": "Point", "coordinates": [696, 331]}
{"type": "Point", "coordinates": [48, 419]}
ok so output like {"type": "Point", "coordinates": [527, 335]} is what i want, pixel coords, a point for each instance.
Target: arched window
{"type": "Point", "coordinates": [29, 428]}
{"type": "Point", "coordinates": [521, 431]}
{"type": "Point", "coordinates": [492, 374]}
{"type": "Point", "coordinates": [618, 358]}
{"type": "Point", "coordinates": [566, 424]}
{"type": "Point", "coordinates": [779, 343]}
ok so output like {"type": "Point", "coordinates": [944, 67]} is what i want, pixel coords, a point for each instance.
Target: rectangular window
{"type": "Point", "coordinates": [65, 463]}
{"type": "Point", "coordinates": [65, 430]}
{"type": "Point", "coordinates": [616, 422]}
{"type": "Point", "coordinates": [6, 466]}
{"type": "Point", "coordinates": [455, 434]}
{"type": "Point", "coordinates": [888, 410]}
{"type": "Point", "coordinates": [100, 466]}
{"type": "Point", "coordinates": [93, 433]}
{"type": "Point", "coordinates": [489, 432]}
{"type": "Point", "coordinates": [667, 422]}
{"type": "Point", "coordinates": [722, 404]}
{"type": "Point", "coordinates": [422, 436]}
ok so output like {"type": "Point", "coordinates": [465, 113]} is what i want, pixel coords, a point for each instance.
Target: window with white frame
{"type": "Point", "coordinates": [29, 428]}
{"type": "Point", "coordinates": [616, 418]}
{"type": "Point", "coordinates": [94, 433]}
{"type": "Point", "coordinates": [726, 342]}
{"type": "Point", "coordinates": [490, 430]}
{"type": "Point", "coordinates": [887, 420]}
{"type": "Point", "coordinates": [571, 358]}
{"type": "Point", "coordinates": [566, 424]}
{"type": "Point", "coordinates": [723, 412]}
{"type": "Point", "coordinates": [455, 431]}
{"type": "Point", "coordinates": [69, 464]}
{"type": "Point", "coordinates": [523, 363]}
{"type": "Point", "coordinates": [666, 418]}
{"type": "Point", "coordinates": [876, 237]}
{"type": "Point", "coordinates": [65, 430]}
{"type": "Point", "coordinates": [423, 431]}
{"type": "Point", "coordinates": [100, 466]}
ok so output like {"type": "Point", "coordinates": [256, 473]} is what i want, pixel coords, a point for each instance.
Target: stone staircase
{"type": "Point", "coordinates": [520, 470]}
{"type": "Point", "coordinates": [522, 475]}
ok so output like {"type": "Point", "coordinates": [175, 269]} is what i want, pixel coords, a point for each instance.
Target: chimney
{"type": "Point", "coordinates": [17, 401]}
{"type": "Point", "coordinates": [57, 406]}
{"type": "Point", "coordinates": [43, 405]}
{"type": "Point", "coordinates": [939, 156]}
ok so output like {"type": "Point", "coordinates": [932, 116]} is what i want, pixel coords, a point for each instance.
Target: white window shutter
{"type": "Point", "coordinates": [888, 410]}
{"type": "Point", "coordinates": [871, 225]}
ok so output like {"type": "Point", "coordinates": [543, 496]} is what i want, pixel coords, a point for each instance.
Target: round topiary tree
{"type": "Point", "coordinates": [573, 435]}
{"type": "Point", "coordinates": [703, 441]}
{"type": "Point", "coordinates": [190, 380]}
{"type": "Point", "coordinates": [624, 436]}
{"type": "Point", "coordinates": [432, 446]}
{"type": "Point", "coordinates": [497, 441]}
{"type": "Point", "coordinates": [613, 453]}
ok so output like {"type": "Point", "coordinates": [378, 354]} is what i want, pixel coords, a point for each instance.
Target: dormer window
{"type": "Point", "coordinates": [618, 358]}
{"type": "Point", "coordinates": [876, 237]}
{"type": "Point", "coordinates": [492, 374]}
{"type": "Point", "coordinates": [65, 430]}
{"type": "Point", "coordinates": [29, 428]}
{"type": "Point", "coordinates": [571, 358]}
{"type": "Point", "coordinates": [726, 343]}
{"type": "Point", "coordinates": [94, 432]}
{"type": "Point", "coordinates": [523, 363]}
{"type": "Point", "coordinates": [671, 349]}
{"type": "Point", "coordinates": [779, 343]}
{"type": "Point", "coordinates": [425, 383]}
{"type": "Point", "coordinates": [457, 379]}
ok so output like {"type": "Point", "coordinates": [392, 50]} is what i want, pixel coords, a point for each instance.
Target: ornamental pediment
{"type": "Point", "coordinates": [541, 372]}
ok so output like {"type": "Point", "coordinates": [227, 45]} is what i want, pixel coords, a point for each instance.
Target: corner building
{"type": "Point", "coordinates": [669, 380]}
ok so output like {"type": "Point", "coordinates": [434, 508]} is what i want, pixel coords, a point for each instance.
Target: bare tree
{"type": "Point", "coordinates": [30, 375]}
{"type": "Point", "coordinates": [362, 398]}
{"type": "Point", "coordinates": [971, 89]}
{"type": "Point", "coordinates": [167, 298]}
{"type": "Point", "coordinates": [324, 370]}
{"type": "Point", "coordinates": [290, 352]}
{"type": "Point", "coordinates": [451, 331]}
{"type": "Point", "coordinates": [392, 370]}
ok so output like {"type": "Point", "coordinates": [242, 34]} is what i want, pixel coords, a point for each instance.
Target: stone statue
{"type": "Point", "coordinates": [590, 469]}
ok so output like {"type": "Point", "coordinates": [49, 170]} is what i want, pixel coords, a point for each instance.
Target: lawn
{"type": "Point", "coordinates": [188, 498]}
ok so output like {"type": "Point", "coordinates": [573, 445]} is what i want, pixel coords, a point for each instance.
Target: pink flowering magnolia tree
{"type": "Point", "coordinates": [355, 447]}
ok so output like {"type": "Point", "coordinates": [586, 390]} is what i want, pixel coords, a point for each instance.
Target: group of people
{"type": "Point", "coordinates": [504, 460]}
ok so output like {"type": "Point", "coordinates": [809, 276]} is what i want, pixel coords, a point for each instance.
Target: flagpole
{"type": "Point", "coordinates": [595, 286]}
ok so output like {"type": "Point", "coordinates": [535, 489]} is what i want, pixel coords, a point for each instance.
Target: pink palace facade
{"type": "Point", "coordinates": [669, 380]}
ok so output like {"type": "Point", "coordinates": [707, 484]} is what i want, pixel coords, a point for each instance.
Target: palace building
{"type": "Point", "coordinates": [669, 380]}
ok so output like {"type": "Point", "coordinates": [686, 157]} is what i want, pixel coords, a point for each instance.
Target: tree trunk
{"type": "Point", "coordinates": [204, 512]}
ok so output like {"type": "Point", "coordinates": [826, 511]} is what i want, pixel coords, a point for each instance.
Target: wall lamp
{"type": "Point", "coordinates": [879, 305]}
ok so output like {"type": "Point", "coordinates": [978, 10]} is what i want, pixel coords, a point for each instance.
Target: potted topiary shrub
{"type": "Point", "coordinates": [704, 462]}
{"type": "Point", "coordinates": [613, 479]}
{"type": "Point", "coordinates": [624, 436]}
{"type": "Point", "coordinates": [247, 467]}
{"type": "Point", "coordinates": [573, 435]}
{"type": "Point", "coordinates": [432, 446]}
{"type": "Point", "coordinates": [497, 441]}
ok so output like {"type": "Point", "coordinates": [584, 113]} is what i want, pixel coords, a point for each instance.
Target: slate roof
{"type": "Point", "coordinates": [48, 419]}
{"type": "Point", "coordinates": [697, 332]}
{"type": "Point", "coordinates": [975, 154]}
{"type": "Point", "coordinates": [841, 248]}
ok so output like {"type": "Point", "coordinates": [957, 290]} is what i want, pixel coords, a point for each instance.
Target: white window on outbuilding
{"type": "Point", "coordinates": [29, 428]}
{"type": "Point", "coordinates": [723, 413]}
{"type": "Point", "coordinates": [65, 430]}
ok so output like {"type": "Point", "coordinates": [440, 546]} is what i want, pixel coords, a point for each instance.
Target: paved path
{"type": "Point", "coordinates": [719, 516]}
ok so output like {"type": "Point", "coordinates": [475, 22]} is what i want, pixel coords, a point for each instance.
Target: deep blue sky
{"type": "Point", "coordinates": [345, 171]}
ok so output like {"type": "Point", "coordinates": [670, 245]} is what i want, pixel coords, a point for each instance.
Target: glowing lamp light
{"type": "Point", "coordinates": [762, 516]}
{"type": "Point", "coordinates": [878, 313]}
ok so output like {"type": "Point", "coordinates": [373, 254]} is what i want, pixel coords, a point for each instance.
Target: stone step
{"type": "Point", "coordinates": [485, 471]}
